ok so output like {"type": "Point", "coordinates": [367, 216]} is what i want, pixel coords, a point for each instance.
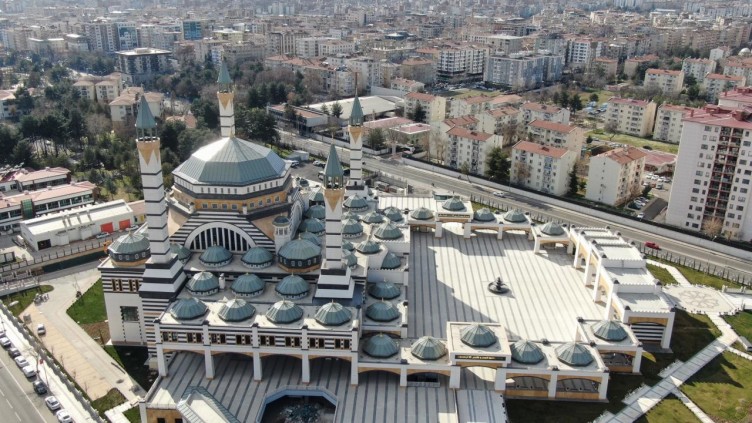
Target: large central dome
{"type": "Point", "coordinates": [231, 161]}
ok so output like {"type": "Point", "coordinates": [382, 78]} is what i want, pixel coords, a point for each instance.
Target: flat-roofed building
{"type": "Point", "coordinates": [407, 85]}
{"type": "Point", "coordinates": [668, 81]}
{"type": "Point", "coordinates": [669, 122]}
{"type": "Point", "coordinates": [698, 68]}
{"type": "Point", "coordinates": [542, 168]}
{"type": "Point", "coordinates": [632, 65]}
{"type": "Point", "coordinates": [142, 65]}
{"type": "Point", "coordinates": [632, 117]}
{"type": "Point", "coordinates": [423, 70]}
{"type": "Point", "coordinates": [555, 134]}
{"type": "Point", "coordinates": [615, 177]}
{"type": "Point", "coordinates": [29, 204]}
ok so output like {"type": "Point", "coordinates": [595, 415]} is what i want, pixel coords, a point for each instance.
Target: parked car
{"type": "Point", "coordinates": [641, 215]}
{"type": "Point", "coordinates": [659, 185]}
{"type": "Point", "coordinates": [5, 342]}
{"type": "Point", "coordinates": [14, 352]}
{"type": "Point", "coordinates": [52, 403]}
{"type": "Point", "coordinates": [29, 371]}
{"type": "Point", "coordinates": [101, 235]}
{"type": "Point", "coordinates": [64, 417]}
{"type": "Point", "coordinates": [41, 330]}
{"type": "Point", "coordinates": [39, 387]}
{"type": "Point", "coordinates": [21, 361]}
{"type": "Point", "coordinates": [653, 245]}
{"type": "Point", "coordinates": [319, 163]}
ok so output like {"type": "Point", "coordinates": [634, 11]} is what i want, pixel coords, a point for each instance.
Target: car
{"type": "Point", "coordinates": [41, 330]}
{"type": "Point", "coordinates": [101, 235]}
{"type": "Point", "coordinates": [52, 403]}
{"type": "Point", "coordinates": [39, 387]}
{"type": "Point", "coordinates": [497, 194]}
{"type": "Point", "coordinates": [29, 371]}
{"type": "Point", "coordinates": [64, 417]}
{"type": "Point", "coordinates": [5, 342]}
{"type": "Point", "coordinates": [640, 215]}
{"type": "Point", "coordinates": [653, 245]}
{"type": "Point", "coordinates": [319, 163]}
{"type": "Point", "coordinates": [21, 361]}
{"type": "Point", "coordinates": [659, 185]}
{"type": "Point", "coordinates": [14, 352]}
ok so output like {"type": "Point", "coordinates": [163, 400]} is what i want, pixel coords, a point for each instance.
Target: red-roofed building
{"type": "Point", "coordinates": [737, 98]}
{"type": "Point", "coordinates": [555, 134]}
{"type": "Point", "coordinates": [434, 106]}
{"type": "Point", "coordinates": [715, 83]}
{"type": "Point", "coordinates": [536, 111]}
{"type": "Point", "coordinates": [494, 120]}
{"type": "Point", "coordinates": [632, 117]}
{"type": "Point", "coordinates": [544, 169]}
{"type": "Point", "coordinates": [615, 177]}
{"type": "Point", "coordinates": [668, 81]}
{"type": "Point", "coordinates": [471, 147]}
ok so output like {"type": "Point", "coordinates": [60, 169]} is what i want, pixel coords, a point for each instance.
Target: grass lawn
{"type": "Point", "coordinates": [742, 323]}
{"type": "Point", "coordinates": [133, 415]}
{"type": "Point", "coordinates": [670, 409]}
{"type": "Point", "coordinates": [89, 308]}
{"type": "Point", "coordinates": [603, 96]}
{"type": "Point", "coordinates": [692, 333]}
{"type": "Point", "coordinates": [662, 275]}
{"type": "Point", "coordinates": [24, 298]}
{"type": "Point", "coordinates": [700, 278]}
{"type": "Point", "coordinates": [112, 399]}
{"type": "Point", "coordinates": [634, 141]}
{"type": "Point", "coordinates": [133, 360]}
{"type": "Point", "coordinates": [723, 389]}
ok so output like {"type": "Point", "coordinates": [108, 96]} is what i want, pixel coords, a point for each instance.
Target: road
{"type": "Point", "coordinates": [18, 401]}
{"type": "Point", "coordinates": [417, 176]}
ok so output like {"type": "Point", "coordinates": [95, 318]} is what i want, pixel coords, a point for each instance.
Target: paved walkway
{"type": "Point", "coordinates": [115, 415]}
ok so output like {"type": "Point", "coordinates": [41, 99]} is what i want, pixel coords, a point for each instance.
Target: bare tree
{"type": "Point", "coordinates": [712, 226]}
{"type": "Point", "coordinates": [522, 171]}
{"type": "Point", "coordinates": [437, 144]}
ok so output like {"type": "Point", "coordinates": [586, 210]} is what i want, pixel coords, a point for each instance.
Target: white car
{"type": "Point", "coordinates": [498, 194]}
{"type": "Point", "coordinates": [101, 235]}
{"type": "Point", "coordinates": [29, 372]}
{"type": "Point", "coordinates": [640, 215]}
{"type": "Point", "coordinates": [41, 330]}
{"type": "Point", "coordinates": [64, 417]}
{"type": "Point", "coordinates": [5, 342]}
{"type": "Point", "coordinates": [52, 403]}
{"type": "Point", "coordinates": [21, 361]}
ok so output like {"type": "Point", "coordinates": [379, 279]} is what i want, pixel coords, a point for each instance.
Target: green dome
{"type": "Point", "coordinates": [303, 183]}
{"type": "Point", "coordinates": [381, 346]}
{"type": "Point", "coordinates": [332, 314]}
{"type": "Point", "coordinates": [355, 202]}
{"type": "Point", "coordinates": [526, 352]}
{"type": "Point", "coordinates": [574, 354]}
{"type": "Point", "coordinates": [203, 283]}
{"type": "Point", "coordinates": [373, 217]}
{"type": "Point", "coordinates": [609, 330]}
{"type": "Point", "coordinates": [316, 211]}
{"type": "Point", "coordinates": [349, 258]}
{"type": "Point", "coordinates": [281, 221]}
{"type": "Point", "coordinates": [130, 243]}
{"type": "Point", "coordinates": [453, 204]}
{"type": "Point", "coordinates": [382, 311]}
{"type": "Point", "coordinates": [352, 228]}
{"type": "Point", "coordinates": [183, 253]}
{"type": "Point", "coordinates": [347, 245]}
{"type": "Point", "coordinates": [231, 161]}
{"type": "Point", "coordinates": [292, 286]}
{"type": "Point", "coordinates": [316, 196]}
{"type": "Point", "coordinates": [350, 215]}
{"type": "Point", "coordinates": [368, 247]}
{"type": "Point", "coordinates": [257, 257]}
{"type": "Point", "coordinates": [428, 348]}
{"type": "Point", "coordinates": [515, 216]}
{"type": "Point", "coordinates": [310, 237]}
{"type": "Point", "coordinates": [248, 285]}
{"type": "Point", "coordinates": [236, 310]}
{"type": "Point", "coordinates": [188, 309]}
{"type": "Point", "coordinates": [421, 213]}
{"type": "Point", "coordinates": [484, 215]}
{"type": "Point", "coordinates": [553, 229]}
{"type": "Point", "coordinates": [299, 249]}
{"type": "Point", "coordinates": [312, 225]}
{"type": "Point", "coordinates": [394, 214]}
{"type": "Point", "coordinates": [283, 312]}
{"type": "Point", "coordinates": [215, 256]}
{"type": "Point", "coordinates": [388, 231]}
{"type": "Point", "coordinates": [383, 290]}
{"type": "Point", "coordinates": [391, 261]}
{"type": "Point", "coordinates": [478, 336]}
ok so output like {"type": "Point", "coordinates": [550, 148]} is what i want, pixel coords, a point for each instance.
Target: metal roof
{"type": "Point", "coordinates": [373, 217]}
{"type": "Point", "coordinates": [391, 261]}
{"type": "Point", "coordinates": [248, 284]}
{"type": "Point", "coordinates": [145, 120]}
{"type": "Point", "coordinates": [515, 216]}
{"type": "Point", "coordinates": [312, 225]}
{"type": "Point", "coordinates": [484, 215]}
{"type": "Point", "coordinates": [299, 249]}
{"type": "Point", "coordinates": [387, 230]}
{"type": "Point", "coordinates": [428, 348]}
{"type": "Point", "coordinates": [394, 214]}
{"type": "Point", "coordinates": [214, 255]}
{"type": "Point", "coordinates": [350, 215]}
{"type": "Point", "coordinates": [130, 243]}
{"type": "Point", "coordinates": [478, 336]}
{"type": "Point", "coordinates": [526, 352]}
{"type": "Point", "coordinates": [352, 227]}
{"type": "Point", "coordinates": [454, 204]}
{"type": "Point", "coordinates": [292, 286]}
{"type": "Point", "coordinates": [257, 256]}
{"type": "Point", "coordinates": [308, 236]}
{"type": "Point", "coordinates": [231, 161]}
{"type": "Point", "coordinates": [333, 168]}
{"type": "Point", "coordinates": [574, 354]}
{"type": "Point", "coordinates": [203, 282]}
{"type": "Point", "coordinates": [332, 314]}
{"type": "Point", "coordinates": [316, 196]}
{"type": "Point", "coordinates": [187, 309]}
{"type": "Point", "coordinates": [347, 245]}
{"type": "Point", "coordinates": [182, 252]}
{"type": "Point", "coordinates": [349, 258]}
{"type": "Point", "coordinates": [609, 330]}
{"type": "Point", "coordinates": [382, 311]}
{"type": "Point", "coordinates": [316, 211]}
{"type": "Point", "coordinates": [236, 310]}
{"type": "Point", "coordinates": [381, 346]}
{"type": "Point", "coordinates": [383, 290]}
{"type": "Point", "coordinates": [281, 221]}
{"type": "Point", "coordinates": [421, 213]}
{"type": "Point", "coordinates": [284, 312]}
{"type": "Point", "coordinates": [224, 75]}
{"type": "Point", "coordinates": [355, 202]}
{"type": "Point", "coordinates": [356, 113]}
{"type": "Point", "coordinates": [553, 229]}
{"type": "Point", "coordinates": [368, 247]}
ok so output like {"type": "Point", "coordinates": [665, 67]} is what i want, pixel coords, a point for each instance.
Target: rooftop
{"type": "Point", "coordinates": [623, 155]}
{"type": "Point", "coordinates": [535, 148]}
{"type": "Point", "coordinates": [538, 107]}
{"type": "Point", "coordinates": [50, 193]}
{"type": "Point", "coordinates": [461, 132]}
{"type": "Point", "coordinates": [552, 126]}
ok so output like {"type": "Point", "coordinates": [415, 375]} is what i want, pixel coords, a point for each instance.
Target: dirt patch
{"type": "Point", "coordinates": [100, 331]}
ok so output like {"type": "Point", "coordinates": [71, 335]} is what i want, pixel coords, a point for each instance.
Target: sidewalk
{"type": "Point", "coordinates": [673, 271]}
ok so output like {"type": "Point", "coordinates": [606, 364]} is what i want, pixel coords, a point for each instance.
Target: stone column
{"type": "Point", "coordinates": [500, 234]}
{"type": "Point", "coordinates": [603, 387]}
{"type": "Point", "coordinates": [637, 361]}
{"type": "Point", "coordinates": [161, 363]}
{"type": "Point", "coordinates": [468, 229]}
{"type": "Point", "coordinates": [208, 363]}
{"type": "Point", "coordinates": [306, 375]}
{"type": "Point", "coordinates": [438, 231]}
{"type": "Point", "coordinates": [454, 377]}
{"type": "Point", "coordinates": [257, 370]}
{"type": "Point", "coordinates": [403, 376]}
{"type": "Point", "coordinates": [354, 372]}
{"type": "Point", "coordinates": [501, 379]}
{"type": "Point", "coordinates": [576, 262]}
{"type": "Point", "coordinates": [552, 385]}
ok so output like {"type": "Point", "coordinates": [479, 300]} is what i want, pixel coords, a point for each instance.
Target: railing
{"type": "Point", "coordinates": [42, 259]}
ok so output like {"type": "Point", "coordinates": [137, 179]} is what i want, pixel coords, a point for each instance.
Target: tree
{"type": "Point", "coordinates": [325, 110]}
{"type": "Point", "coordinates": [260, 126]}
{"type": "Point", "coordinates": [712, 226]}
{"type": "Point", "coordinates": [23, 153]}
{"type": "Point", "coordinates": [690, 80]}
{"type": "Point", "coordinates": [190, 140]}
{"type": "Point", "coordinates": [594, 97]}
{"type": "Point", "coordinates": [336, 109]}
{"type": "Point", "coordinates": [693, 92]}
{"type": "Point", "coordinates": [497, 165]}
{"type": "Point", "coordinates": [575, 103]}
{"type": "Point", "coordinates": [418, 114]}
{"type": "Point", "coordinates": [611, 129]}
{"type": "Point", "coordinates": [290, 114]}
{"type": "Point", "coordinates": [169, 134]}
{"type": "Point", "coordinates": [465, 168]}
{"type": "Point", "coordinates": [206, 113]}
{"type": "Point", "coordinates": [646, 191]}
{"type": "Point", "coordinates": [375, 139]}
{"type": "Point", "coordinates": [573, 182]}
{"type": "Point", "coordinates": [522, 172]}
{"type": "Point", "coordinates": [564, 99]}
{"type": "Point", "coordinates": [589, 139]}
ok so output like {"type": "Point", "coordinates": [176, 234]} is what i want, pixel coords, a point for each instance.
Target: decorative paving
{"type": "Point", "coordinates": [699, 299]}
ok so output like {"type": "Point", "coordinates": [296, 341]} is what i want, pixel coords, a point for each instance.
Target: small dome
{"type": "Point", "coordinates": [478, 336]}
{"type": "Point", "coordinates": [183, 253]}
{"type": "Point", "coordinates": [383, 290]}
{"type": "Point", "coordinates": [316, 211]}
{"type": "Point", "coordinates": [515, 216]}
{"type": "Point", "coordinates": [299, 249]}
{"type": "Point", "coordinates": [421, 213]}
{"type": "Point", "coordinates": [316, 196]}
{"type": "Point", "coordinates": [203, 283]}
{"type": "Point", "coordinates": [248, 285]}
{"type": "Point", "coordinates": [349, 258]}
{"type": "Point", "coordinates": [188, 309]}
{"type": "Point", "coordinates": [484, 215]}
{"type": "Point", "coordinates": [130, 243]}
{"type": "Point", "coordinates": [283, 312]}
{"type": "Point", "coordinates": [373, 217]}
{"type": "Point", "coordinates": [236, 310]}
{"type": "Point", "coordinates": [350, 215]}
{"type": "Point", "coordinates": [609, 330]}
{"type": "Point", "coordinates": [303, 183]}
{"type": "Point", "coordinates": [311, 237]}
{"type": "Point", "coordinates": [281, 221]}
{"type": "Point", "coordinates": [292, 286]}
{"type": "Point", "coordinates": [347, 245]}
{"type": "Point", "coordinates": [368, 247]}
{"type": "Point", "coordinates": [574, 354]}
{"type": "Point", "coordinates": [394, 214]}
{"type": "Point", "coordinates": [454, 204]}
{"type": "Point", "coordinates": [428, 348]}
{"type": "Point", "coordinates": [391, 261]}
{"type": "Point", "coordinates": [552, 229]}
{"type": "Point", "coordinates": [352, 227]}
{"type": "Point", "coordinates": [745, 52]}
{"type": "Point", "coordinates": [381, 346]}
{"type": "Point", "coordinates": [388, 231]}
{"type": "Point", "coordinates": [215, 256]}
{"type": "Point", "coordinates": [382, 311]}
{"type": "Point", "coordinates": [526, 352]}
{"type": "Point", "coordinates": [332, 314]}
{"type": "Point", "coordinates": [312, 225]}
{"type": "Point", "coordinates": [257, 257]}
{"type": "Point", "coordinates": [355, 203]}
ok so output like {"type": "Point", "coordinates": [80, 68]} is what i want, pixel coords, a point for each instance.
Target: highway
{"type": "Point", "coordinates": [425, 178]}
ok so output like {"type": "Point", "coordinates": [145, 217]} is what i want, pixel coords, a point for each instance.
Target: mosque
{"type": "Point", "coordinates": [273, 287]}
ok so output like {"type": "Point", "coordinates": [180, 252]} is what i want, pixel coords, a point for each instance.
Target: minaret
{"type": "Point", "coordinates": [334, 280]}
{"type": "Point", "coordinates": [163, 274]}
{"type": "Point", "coordinates": [356, 142]}
{"type": "Point", "coordinates": [226, 97]}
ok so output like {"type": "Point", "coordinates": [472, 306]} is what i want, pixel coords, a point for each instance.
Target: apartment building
{"type": "Point", "coordinates": [423, 70]}
{"type": "Point", "coordinates": [669, 122]}
{"type": "Point", "coordinates": [581, 52]}
{"type": "Point", "coordinates": [102, 90]}
{"type": "Point", "coordinates": [557, 135]}
{"type": "Point", "coordinates": [498, 43]}
{"type": "Point", "coordinates": [7, 107]}
{"type": "Point", "coordinates": [520, 71]}
{"type": "Point", "coordinates": [368, 70]}
{"type": "Point", "coordinates": [716, 83]}
{"type": "Point", "coordinates": [102, 35]}
{"type": "Point", "coordinates": [461, 63]}
{"type": "Point", "coordinates": [142, 65]}
{"type": "Point", "coordinates": [469, 105]}
{"type": "Point", "coordinates": [282, 41]}
{"type": "Point", "coordinates": [738, 98]}
{"type": "Point", "coordinates": [668, 81]}
{"type": "Point", "coordinates": [235, 53]}
{"type": "Point", "coordinates": [632, 117]}
{"type": "Point", "coordinates": [29, 204]}
{"type": "Point", "coordinates": [407, 85]}
{"type": "Point", "coordinates": [193, 29]}
{"type": "Point", "coordinates": [494, 121]}
{"type": "Point", "coordinates": [605, 65]}
{"type": "Point", "coordinates": [27, 179]}
{"type": "Point", "coordinates": [698, 68]}
{"type": "Point", "coordinates": [711, 188]}
{"type": "Point", "coordinates": [124, 109]}
{"type": "Point", "coordinates": [633, 64]}
{"type": "Point", "coordinates": [333, 47]}
{"type": "Point", "coordinates": [738, 66]}
{"type": "Point", "coordinates": [470, 147]}
{"type": "Point", "coordinates": [615, 177]}
{"type": "Point", "coordinates": [542, 168]}
{"type": "Point", "coordinates": [434, 106]}
{"type": "Point", "coordinates": [536, 111]}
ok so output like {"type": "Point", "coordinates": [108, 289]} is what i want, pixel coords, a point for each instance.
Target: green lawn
{"type": "Point", "coordinates": [692, 333]}
{"type": "Point", "coordinates": [112, 399]}
{"type": "Point", "coordinates": [133, 360]}
{"type": "Point", "coordinates": [742, 323]}
{"type": "Point", "coordinates": [89, 308]}
{"type": "Point", "coordinates": [700, 278]}
{"type": "Point", "coordinates": [671, 410]}
{"type": "Point", "coordinates": [723, 389]}
{"type": "Point", "coordinates": [662, 275]}
{"type": "Point", "coordinates": [603, 96]}
{"type": "Point", "coordinates": [634, 141]}
{"type": "Point", "coordinates": [24, 298]}
{"type": "Point", "coordinates": [133, 415]}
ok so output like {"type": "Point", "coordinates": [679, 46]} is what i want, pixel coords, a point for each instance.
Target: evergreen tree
{"type": "Point", "coordinates": [497, 165]}
{"type": "Point", "coordinates": [419, 114]}
{"type": "Point", "coordinates": [573, 182]}
{"type": "Point", "coordinates": [336, 109]}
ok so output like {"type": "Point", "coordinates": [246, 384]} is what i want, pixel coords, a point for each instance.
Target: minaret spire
{"type": "Point", "coordinates": [355, 129]}
{"type": "Point", "coordinates": [226, 96]}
